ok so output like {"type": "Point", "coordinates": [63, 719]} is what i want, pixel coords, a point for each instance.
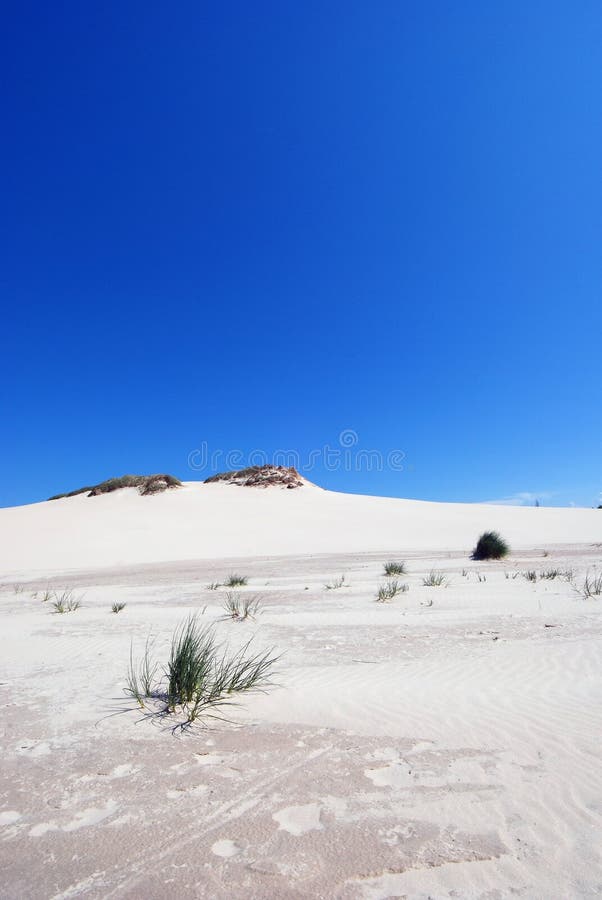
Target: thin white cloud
{"type": "Point", "coordinates": [522, 498]}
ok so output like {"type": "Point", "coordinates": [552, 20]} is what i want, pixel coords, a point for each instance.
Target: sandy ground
{"type": "Point", "coordinates": [208, 521]}
{"type": "Point", "coordinates": [444, 745]}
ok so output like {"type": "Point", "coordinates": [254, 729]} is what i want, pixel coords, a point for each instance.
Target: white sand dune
{"type": "Point", "coordinates": [208, 521]}
{"type": "Point", "coordinates": [446, 744]}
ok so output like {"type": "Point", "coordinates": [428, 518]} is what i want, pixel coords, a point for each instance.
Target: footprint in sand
{"type": "Point", "coordinates": [225, 849]}
{"type": "Point", "coordinates": [84, 819]}
{"type": "Point", "coordinates": [9, 817]}
{"type": "Point", "coordinates": [299, 819]}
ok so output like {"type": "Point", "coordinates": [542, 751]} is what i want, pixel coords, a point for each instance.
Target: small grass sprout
{"type": "Point", "coordinates": [390, 589]}
{"type": "Point", "coordinates": [435, 579]}
{"type": "Point", "coordinates": [140, 676]}
{"type": "Point", "coordinates": [117, 607]}
{"type": "Point", "coordinates": [591, 587]}
{"type": "Point", "coordinates": [550, 574]}
{"type": "Point", "coordinates": [235, 580]}
{"type": "Point", "coordinates": [395, 568]}
{"type": "Point", "coordinates": [336, 584]}
{"type": "Point", "coordinates": [241, 606]}
{"type": "Point", "coordinates": [66, 602]}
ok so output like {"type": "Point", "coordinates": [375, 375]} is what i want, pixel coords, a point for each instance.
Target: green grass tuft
{"type": "Point", "coordinates": [336, 584]}
{"type": "Point", "coordinates": [550, 574]}
{"type": "Point", "coordinates": [390, 589]}
{"type": "Point", "coordinates": [235, 580]}
{"type": "Point", "coordinates": [435, 579]}
{"type": "Point", "coordinates": [395, 568]}
{"type": "Point", "coordinates": [140, 677]}
{"type": "Point", "coordinates": [241, 606]}
{"type": "Point", "coordinates": [200, 677]}
{"type": "Point", "coordinates": [189, 666]}
{"type": "Point", "coordinates": [66, 602]}
{"type": "Point", "coordinates": [592, 586]}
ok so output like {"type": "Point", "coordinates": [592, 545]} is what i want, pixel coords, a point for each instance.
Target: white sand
{"type": "Point", "coordinates": [410, 750]}
{"type": "Point", "coordinates": [208, 521]}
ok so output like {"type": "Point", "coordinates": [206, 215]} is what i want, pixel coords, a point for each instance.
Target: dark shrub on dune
{"type": "Point", "coordinates": [490, 546]}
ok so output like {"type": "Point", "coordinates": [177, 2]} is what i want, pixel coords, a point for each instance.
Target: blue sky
{"type": "Point", "coordinates": [254, 226]}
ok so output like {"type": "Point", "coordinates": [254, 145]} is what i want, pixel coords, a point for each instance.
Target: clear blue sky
{"type": "Point", "coordinates": [258, 224]}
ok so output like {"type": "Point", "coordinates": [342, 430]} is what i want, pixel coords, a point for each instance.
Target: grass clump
{"type": "Point", "coordinates": [66, 602]}
{"type": "Point", "coordinates": [390, 589]}
{"type": "Point", "coordinates": [530, 575]}
{"type": "Point", "coordinates": [592, 586]}
{"type": "Point", "coordinates": [200, 676]}
{"type": "Point", "coordinates": [241, 606]}
{"type": "Point", "coordinates": [189, 666]}
{"type": "Point", "coordinates": [336, 584]}
{"type": "Point", "coordinates": [435, 579]}
{"type": "Point", "coordinates": [550, 574]}
{"type": "Point", "coordinates": [395, 568]}
{"type": "Point", "coordinates": [490, 546]}
{"type": "Point", "coordinates": [235, 580]}
{"type": "Point", "coordinates": [117, 607]}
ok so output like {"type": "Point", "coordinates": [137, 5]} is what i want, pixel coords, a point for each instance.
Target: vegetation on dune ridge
{"type": "Point", "coordinates": [146, 484]}
{"type": "Point", "coordinates": [260, 476]}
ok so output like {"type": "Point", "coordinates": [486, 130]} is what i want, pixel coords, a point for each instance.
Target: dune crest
{"type": "Point", "coordinates": [214, 520]}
